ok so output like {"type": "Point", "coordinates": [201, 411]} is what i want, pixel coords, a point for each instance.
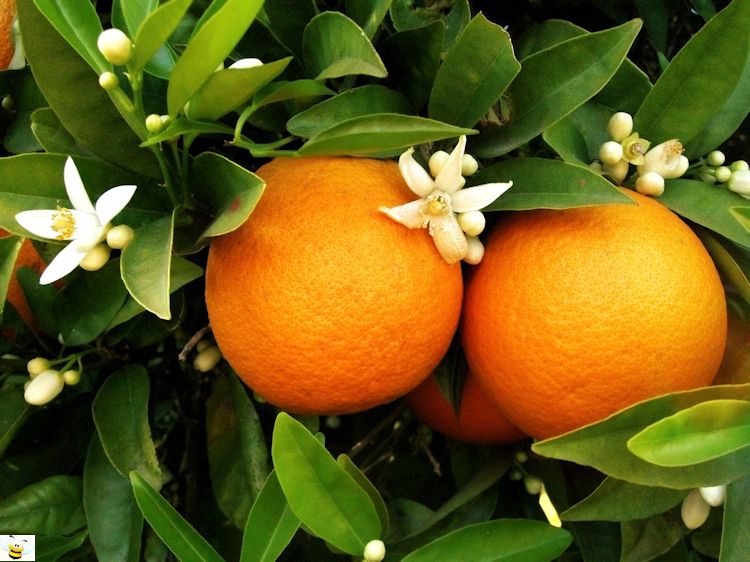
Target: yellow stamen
{"type": "Point", "coordinates": [437, 204]}
{"type": "Point", "coordinates": [63, 223]}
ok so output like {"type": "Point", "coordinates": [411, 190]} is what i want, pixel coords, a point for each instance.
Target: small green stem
{"type": "Point", "coordinates": [267, 150]}
{"type": "Point", "coordinates": [244, 116]}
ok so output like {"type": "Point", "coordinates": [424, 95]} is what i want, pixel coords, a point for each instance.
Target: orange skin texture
{"type": "Point", "coordinates": [479, 421]}
{"type": "Point", "coordinates": [324, 305]}
{"type": "Point", "coordinates": [27, 257]}
{"type": "Point", "coordinates": [7, 46]}
{"type": "Point", "coordinates": [575, 314]}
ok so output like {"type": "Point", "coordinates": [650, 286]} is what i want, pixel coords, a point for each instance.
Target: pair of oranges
{"type": "Point", "coordinates": [324, 305]}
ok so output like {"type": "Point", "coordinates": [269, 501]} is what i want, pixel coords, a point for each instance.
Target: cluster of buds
{"type": "Point", "coordinates": [736, 176]}
{"type": "Point", "coordinates": [654, 164]}
{"type": "Point", "coordinates": [208, 356]}
{"type": "Point", "coordinates": [157, 123]}
{"type": "Point", "coordinates": [534, 486]}
{"type": "Point", "coordinates": [698, 503]}
{"type": "Point", "coordinates": [45, 382]}
{"type": "Point", "coordinates": [116, 48]}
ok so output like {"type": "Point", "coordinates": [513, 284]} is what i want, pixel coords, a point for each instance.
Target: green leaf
{"type": "Point", "coordinates": [689, 85]}
{"type": "Point", "coordinates": [548, 184]}
{"type": "Point", "coordinates": [237, 452]}
{"type": "Point", "coordinates": [321, 494]}
{"type": "Point", "coordinates": [230, 88]}
{"type": "Point", "coordinates": [120, 412]}
{"type": "Point", "coordinates": [356, 102]}
{"type": "Point", "coordinates": [114, 521]}
{"type": "Point", "coordinates": [519, 540]}
{"type": "Point", "coordinates": [58, 71]}
{"type": "Point", "coordinates": [52, 548]}
{"type": "Point", "coordinates": [14, 411]}
{"type": "Point", "coordinates": [9, 248]}
{"type": "Point", "coordinates": [145, 265]}
{"type": "Point", "coordinates": [742, 216]}
{"type": "Point", "coordinates": [179, 536]}
{"type": "Point", "coordinates": [288, 20]}
{"type": "Point", "coordinates": [49, 507]}
{"type": "Point", "coordinates": [735, 540]}
{"type": "Point", "coordinates": [407, 15]}
{"type": "Point", "coordinates": [603, 445]}
{"type": "Point", "coordinates": [368, 14]}
{"type": "Point", "coordinates": [270, 526]}
{"type": "Point", "coordinates": [647, 539]}
{"type": "Point", "coordinates": [154, 29]}
{"type": "Point", "coordinates": [697, 434]}
{"type": "Point", "coordinates": [133, 13]}
{"type": "Point", "coordinates": [334, 46]}
{"type": "Point", "coordinates": [577, 137]}
{"type": "Point", "coordinates": [617, 500]}
{"type": "Point", "coordinates": [285, 91]}
{"type": "Point", "coordinates": [554, 82]}
{"type": "Point", "coordinates": [709, 206]}
{"type": "Point", "coordinates": [208, 48]}
{"type": "Point", "coordinates": [182, 126]}
{"type": "Point", "coordinates": [474, 74]}
{"type": "Point", "coordinates": [345, 462]}
{"type": "Point", "coordinates": [51, 134]}
{"type": "Point", "coordinates": [231, 191]}
{"type": "Point", "coordinates": [378, 133]}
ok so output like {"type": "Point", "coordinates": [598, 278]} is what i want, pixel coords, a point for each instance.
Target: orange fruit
{"type": "Point", "coordinates": [7, 45]}
{"type": "Point", "coordinates": [322, 304]}
{"type": "Point", "coordinates": [27, 257]}
{"type": "Point", "coordinates": [575, 314]}
{"type": "Point", "coordinates": [478, 420]}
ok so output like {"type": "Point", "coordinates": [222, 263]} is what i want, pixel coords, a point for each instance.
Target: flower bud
{"type": "Point", "coordinates": [596, 166]}
{"type": "Point", "coordinates": [469, 165]}
{"type": "Point", "coordinates": [108, 80]}
{"type": "Point", "coordinates": [333, 422]}
{"type": "Point", "coordinates": [620, 126]}
{"type": "Point", "coordinates": [96, 258]}
{"type": "Point", "coordinates": [37, 366]}
{"type": "Point", "coordinates": [515, 475]}
{"type": "Point", "coordinates": [740, 182]}
{"type": "Point", "coordinates": [694, 510]}
{"type": "Point", "coordinates": [115, 46]}
{"type": "Point", "coordinates": [207, 359]}
{"type": "Point", "coordinates": [374, 551]}
{"type": "Point", "coordinates": [618, 172]}
{"type": "Point", "coordinates": [713, 495]}
{"type": "Point", "coordinates": [71, 377]}
{"type": "Point", "coordinates": [246, 63]}
{"type": "Point", "coordinates": [7, 103]}
{"type": "Point", "coordinates": [475, 252]}
{"type": "Point", "coordinates": [533, 484]}
{"type": "Point", "coordinates": [521, 456]}
{"type": "Point", "coordinates": [739, 165]}
{"type": "Point", "coordinates": [154, 123]}
{"type": "Point", "coordinates": [44, 388]}
{"type": "Point", "coordinates": [715, 158]}
{"type": "Point", "coordinates": [665, 159]}
{"type": "Point", "coordinates": [472, 222]}
{"type": "Point", "coordinates": [650, 183]}
{"type": "Point", "coordinates": [437, 162]}
{"type": "Point", "coordinates": [610, 153]}
{"type": "Point", "coordinates": [203, 344]}
{"type": "Point", "coordinates": [118, 237]}
{"type": "Point", "coordinates": [722, 174]}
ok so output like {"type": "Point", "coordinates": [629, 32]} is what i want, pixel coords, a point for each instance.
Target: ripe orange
{"type": "Point", "coordinates": [322, 304]}
{"type": "Point", "coordinates": [27, 257]}
{"type": "Point", "coordinates": [574, 314]}
{"type": "Point", "coordinates": [479, 421]}
{"type": "Point", "coordinates": [7, 45]}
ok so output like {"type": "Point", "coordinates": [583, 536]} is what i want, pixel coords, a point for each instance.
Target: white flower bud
{"type": "Point", "coordinates": [374, 551]}
{"type": "Point", "coordinates": [475, 252]}
{"type": "Point", "coordinates": [596, 166]}
{"type": "Point", "coordinates": [533, 484]}
{"type": "Point", "coordinates": [96, 258]}
{"type": "Point", "coordinates": [203, 344]}
{"type": "Point", "coordinates": [108, 80]}
{"type": "Point", "coordinates": [7, 103]}
{"type": "Point", "coordinates": [165, 120]}
{"type": "Point", "coordinates": [437, 162]}
{"type": "Point", "coordinates": [740, 182]}
{"type": "Point", "coordinates": [44, 388]}
{"type": "Point", "coordinates": [715, 158]}
{"type": "Point", "coordinates": [472, 222]}
{"type": "Point", "coordinates": [207, 359]}
{"type": "Point", "coordinates": [71, 377]}
{"type": "Point", "coordinates": [115, 46]}
{"type": "Point", "coordinates": [610, 153]}
{"type": "Point", "coordinates": [620, 126]}
{"type": "Point", "coordinates": [153, 123]}
{"type": "Point", "coordinates": [665, 159]}
{"type": "Point", "coordinates": [694, 510]}
{"type": "Point", "coordinates": [618, 172]}
{"type": "Point", "coordinates": [37, 366]}
{"type": "Point", "coordinates": [739, 165]}
{"type": "Point", "coordinates": [469, 165]}
{"type": "Point", "coordinates": [722, 174]}
{"type": "Point", "coordinates": [246, 63]}
{"type": "Point", "coordinates": [650, 183]}
{"type": "Point", "coordinates": [118, 237]}
{"type": "Point", "coordinates": [714, 495]}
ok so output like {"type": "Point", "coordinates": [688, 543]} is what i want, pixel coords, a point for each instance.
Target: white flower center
{"type": "Point", "coordinates": [63, 223]}
{"type": "Point", "coordinates": [438, 203]}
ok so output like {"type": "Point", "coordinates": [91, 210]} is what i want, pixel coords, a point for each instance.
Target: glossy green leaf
{"type": "Point", "coordinates": [179, 536]}
{"type": "Point", "coordinates": [133, 13]}
{"type": "Point", "coordinates": [548, 184]}
{"type": "Point", "coordinates": [356, 102]}
{"type": "Point", "coordinates": [208, 48]}
{"type": "Point", "coordinates": [617, 500]}
{"type": "Point", "coordinates": [408, 15]}
{"type": "Point", "coordinates": [40, 299]}
{"type": "Point", "coordinates": [230, 190]}
{"type": "Point", "coordinates": [689, 85]}
{"type": "Point", "coordinates": [237, 454]}
{"type": "Point", "coordinates": [368, 14]}
{"type": "Point", "coordinates": [120, 412]}
{"type": "Point", "coordinates": [85, 308]}
{"type": "Point", "coordinates": [474, 74]}
{"type": "Point", "coordinates": [732, 262]}
{"type": "Point", "coordinates": [697, 434]}
{"type": "Point", "coordinates": [14, 411]}
{"type": "Point", "coordinates": [50, 133]}
{"type": "Point", "coordinates": [285, 91]}
{"type": "Point", "coordinates": [735, 540]}
{"type": "Point", "coordinates": [334, 46]}
{"type": "Point", "coordinates": [182, 126]}
{"type": "Point", "coordinates": [52, 548]}
{"type": "Point", "coordinates": [603, 445]}
{"type": "Point", "coordinates": [647, 539]}
{"type": "Point", "coordinates": [9, 248]}
{"type": "Point", "coordinates": [378, 133]}
{"type": "Point", "coordinates": [709, 206]}
{"type": "Point", "coordinates": [345, 462]}
{"type": "Point", "coordinates": [114, 521]}
{"type": "Point", "coordinates": [145, 265]}
{"type": "Point", "coordinates": [321, 494]}
{"type": "Point", "coordinates": [270, 526]}
{"type": "Point", "coordinates": [228, 89]}
{"type": "Point", "coordinates": [553, 82]}
{"type": "Point", "coordinates": [742, 216]}
{"type": "Point", "coordinates": [49, 507]}
{"type": "Point", "coordinates": [78, 23]}
{"type": "Point", "coordinates": [519, 540]}
{"type": "Point", "coordinates": [565, 138]}
{"type": "Point", "coordinates": [578, 137]}
{"type": "Point", "coordinates": [288, 20]}
{"type": "Point", "coordinates": [154, 29]}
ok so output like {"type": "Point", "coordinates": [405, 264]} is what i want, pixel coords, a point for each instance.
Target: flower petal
{"type": "Point", "coordinates": [74, 186]}
{"type": "Point", "coordinates": [410, 214]}
{"type": "Point", "coordinates": [415, 176]}
{"type": "Point", "coordinates": [449, 239]}
{"type": "Point", "coordinates": [478, 197]}
{"type": "Point", "coordinates": [450, 179]}
{"type": "Point", "coordinates": [113, 201]}
{"type": "Point", "coordinates": [38, 222]}
{"type": "Point", "coordinates": [66, 261]}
